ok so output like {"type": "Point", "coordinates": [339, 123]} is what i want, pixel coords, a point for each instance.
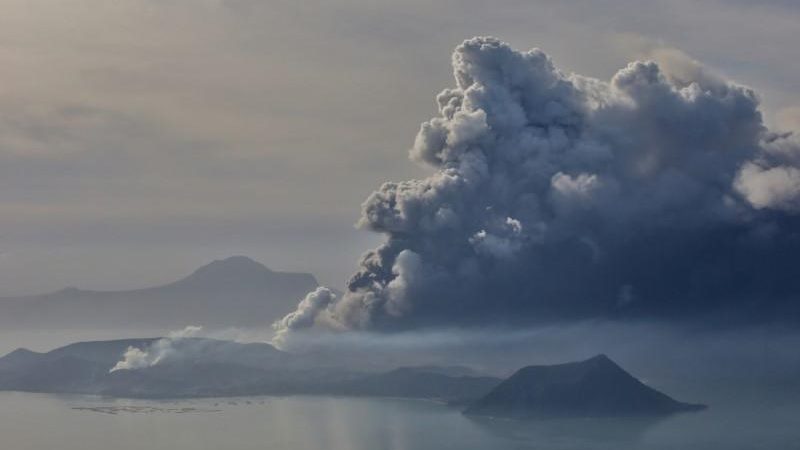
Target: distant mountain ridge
{"type": "Point", "coordinates": [199, 367]}
{"type": "Point", "coordinates": [231, 292]}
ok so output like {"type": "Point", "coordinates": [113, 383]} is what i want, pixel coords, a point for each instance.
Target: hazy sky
{"type": "Point", "coordinates": [142, 138]}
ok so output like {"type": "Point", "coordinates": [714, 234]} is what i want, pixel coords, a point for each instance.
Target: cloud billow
{"type": "Point", "coordinates": [558, 196]}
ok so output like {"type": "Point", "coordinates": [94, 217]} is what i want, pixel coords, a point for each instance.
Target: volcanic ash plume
{"type": "Point", "coordinates": [558, 196]}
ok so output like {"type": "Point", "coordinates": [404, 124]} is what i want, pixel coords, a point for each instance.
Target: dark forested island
{"type": "Point", "coordinates": [595, 387]}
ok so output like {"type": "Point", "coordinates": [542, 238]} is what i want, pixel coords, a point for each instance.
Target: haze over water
{"type": "Point", "coordinates": [37, 421]}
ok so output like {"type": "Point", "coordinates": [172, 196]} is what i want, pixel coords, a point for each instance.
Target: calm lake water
{"type": "Point", "coordinates": [43, 422]}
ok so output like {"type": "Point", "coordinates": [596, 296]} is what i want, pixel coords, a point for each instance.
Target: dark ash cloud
{"type": "Point", "coordinates": [558, 196]}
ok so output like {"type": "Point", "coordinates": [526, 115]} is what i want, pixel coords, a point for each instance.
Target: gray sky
{"type": "Point", "coordinates": [142, 138]}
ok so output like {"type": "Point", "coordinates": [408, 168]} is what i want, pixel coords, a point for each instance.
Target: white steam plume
{"type": "Point", "coordinates": [136, 358]}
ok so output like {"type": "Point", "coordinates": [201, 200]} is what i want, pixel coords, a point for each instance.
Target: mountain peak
{"type": "Point", "coordinates": [600, 360]}
{"type": "Point", "coordinates": [237, 262]}
{"type": "Point", "coordinates": [22, 352]}
{"type": "Point", "coordinates": [228, 270]}
{"type": "Point", "coordinates": [242, 273]}
{"type": "Point", "coordinates": [18, 357]}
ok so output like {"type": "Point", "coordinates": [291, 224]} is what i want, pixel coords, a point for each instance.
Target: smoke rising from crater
{"type": "Point", "coordinates": [135, 358]}
{"type": "Point", "coordinates": [559, 196]}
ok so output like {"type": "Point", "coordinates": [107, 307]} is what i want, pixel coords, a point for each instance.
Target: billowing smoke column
{"type": "Point", "coordinates": [559, 196]}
